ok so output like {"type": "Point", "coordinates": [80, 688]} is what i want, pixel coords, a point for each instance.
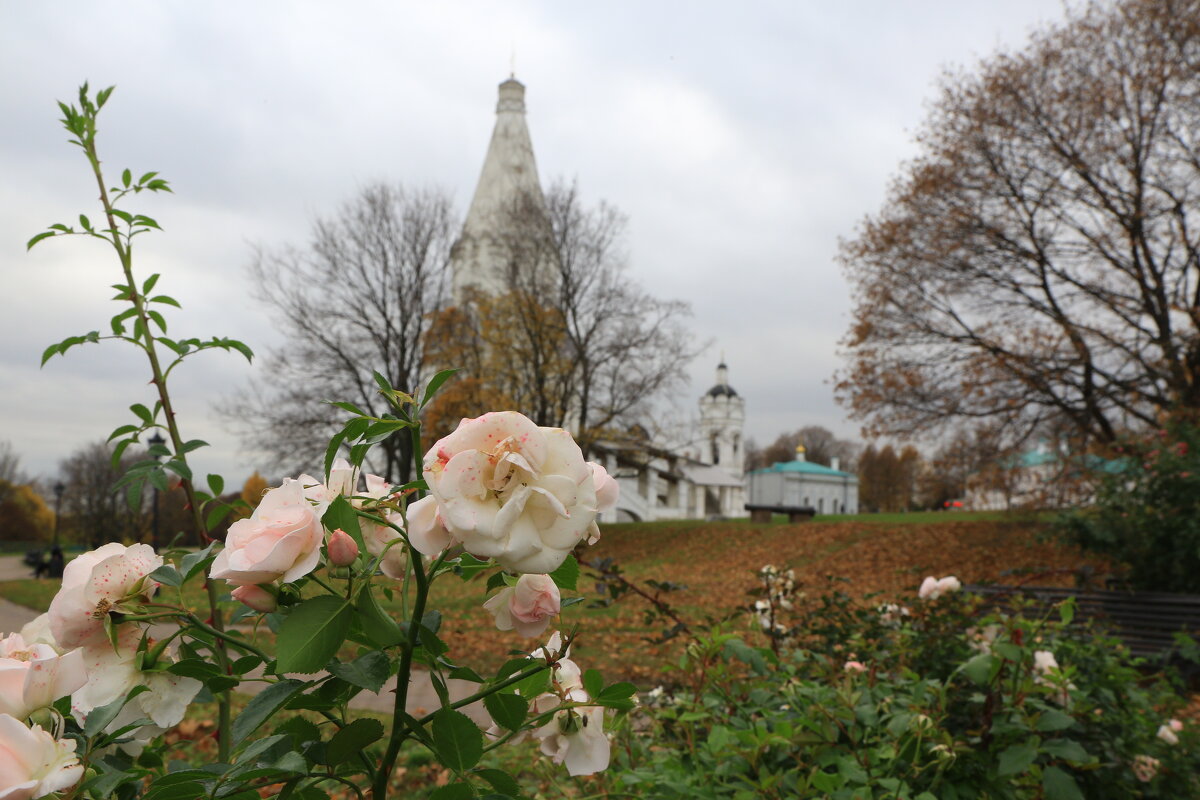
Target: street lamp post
{"type": "Point", "coordinates": [155, 441]}
{"type": "Point", "coordinates": [58, 493]}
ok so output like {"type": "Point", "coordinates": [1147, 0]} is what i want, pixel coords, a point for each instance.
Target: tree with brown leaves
{"type": "Point", "coordinates": [1039, 261]}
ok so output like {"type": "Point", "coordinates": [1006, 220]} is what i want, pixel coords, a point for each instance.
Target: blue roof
{"type": "Point", "coordinates": [806, 467]}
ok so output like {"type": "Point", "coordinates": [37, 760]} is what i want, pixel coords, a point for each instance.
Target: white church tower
{"type": "Point", "coordinates": [722, 419]}
{"type": "Point", "coordinates": [509, 173]}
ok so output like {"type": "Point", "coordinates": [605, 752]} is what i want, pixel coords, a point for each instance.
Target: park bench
{"type": "Point", "coordinates": [1146, 622]}
{"type": "Point", "coordinates": [762, 513]}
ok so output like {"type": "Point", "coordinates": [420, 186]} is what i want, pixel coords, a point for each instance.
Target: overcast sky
{"type": "Point", "coordinates": [742, 139]}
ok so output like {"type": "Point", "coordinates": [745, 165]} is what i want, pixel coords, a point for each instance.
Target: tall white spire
{"type": "Point", "coordinates": [509, 172]}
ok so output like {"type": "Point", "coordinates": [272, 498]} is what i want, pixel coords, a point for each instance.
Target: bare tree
{"type": "Point", "coordinates": [580, 344]}
{"type": "Point", "coordinates": [821, 446]}
{"type": "Point", "coordinates": [1039, 261]}
{"type": "Point", "coordinates": [10, 470]}
{"type": "Point", "coordinates": [356, 299]}
{"type": "Point", "coordinates": [97, 512]}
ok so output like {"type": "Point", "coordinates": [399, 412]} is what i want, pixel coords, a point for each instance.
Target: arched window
{"type": "Point", "coordinates": [716, 450]}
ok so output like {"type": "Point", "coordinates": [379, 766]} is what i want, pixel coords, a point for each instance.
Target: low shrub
{"type": "Point", "coordinates": [1147, 510]}
{"type": "Point", "coordinates": [937, 700]}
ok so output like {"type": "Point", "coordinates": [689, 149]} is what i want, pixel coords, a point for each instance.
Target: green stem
{"type": "Point", "coordinates": [398, 734]}
{"type": "Point", "coordinates": [125, 253]}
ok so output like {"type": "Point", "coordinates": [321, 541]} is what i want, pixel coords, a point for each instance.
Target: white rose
{"type": "Point", "coordinates": [112, 673]}
{"type": "Point", "coordinates": [509, 490]}
{"type": "Point", "coordinates": [281, 541]}
{"type": "Point", "coordinates": [110, 578]}
{"type": "Point", "coordinates": [33, 676]}
{"type": "Point", "coordinates": [33, 763]}
{"type": "Point", "coordinates": [933, 588]}
{"type": "Point", "coordinates": [575, 737]}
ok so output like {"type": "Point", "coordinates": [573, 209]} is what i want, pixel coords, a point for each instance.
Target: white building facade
{"type": "Point", "coordinates": [802, 484]}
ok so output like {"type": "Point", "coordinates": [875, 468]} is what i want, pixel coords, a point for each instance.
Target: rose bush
{"type": "Point", "coordinates": [309, 564]}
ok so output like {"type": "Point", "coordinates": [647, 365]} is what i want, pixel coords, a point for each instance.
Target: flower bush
{"type": "Point", "coordinates": [87, 691]}
{"type": "Point", "coordinates": [920, 698]}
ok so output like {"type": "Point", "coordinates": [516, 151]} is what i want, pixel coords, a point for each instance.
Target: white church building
{"type": "Point", "coordinates": [701, 477]}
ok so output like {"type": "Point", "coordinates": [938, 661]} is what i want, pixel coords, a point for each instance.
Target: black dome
{"type": "Point", "coordinates": [722, 390]}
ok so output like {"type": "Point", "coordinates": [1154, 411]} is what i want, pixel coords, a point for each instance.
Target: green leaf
{"type": "Point", "coordinates": [469, 566]}
{"type": "Point", "coordinates": [29, 245]}
{"type": "Point", "coordinates": [380, 627]}
{"type": "Point", "coordinates": [312, 633]}
{"type": "Point", "coordinates": [593, 682]}
{"type": "Point", "coordinates": [149, 283]}
{"type": "Point", "coordinates": [1054, 720]}
{"type": "Point", "coordinates": [331, 451]}
{"type": "Point", "coordinates": [216, 484]}
{"type": "Point", "coordinates": [508, 710]}
{"type": "Point", "coordinates": [453, 791]}
{"type": "Point", "coordinates": [162, 298]}
{"type": "Point", "coordinates": [435, 383]}
{"type": "Point", "coordinates": [262, 706]}
{"type": "Point", "coordinates": [456, 739]}
{"type": "Point", "coordinates": [143, 413]}
{"type": "Point", "coordinates": [619, 695]}
{"type": "Point", "coordinates": [99, 717]}
{"type": "Point", "coordinates": [1067, 750]}
{"type": "Point", "coordinates": [167, 575]}
{"type": "Point", "coordinates": [146, 177]}
{"type": "Point", "coordinates": [980, 668]}
{"type": "Point", "coordinates": [567, 574]}
{"type": "Point", "coordinates": [1017, 758]}
{"type": "Point", "coordinates": [215, 515]}
{"type": "Point", "coordinates": [501, 781]}
{"type": "Point", "coordinates": [85, 223]}
{"type": "Point", "coordinates": [352, 740]}
{"type": "Point", "coordinates": [1066, 610]}
{"type": "Point", "coordinates": [1059, 785]}
{"type": "Point", "coordinates": [368, 671]}
{"type": "Point", "coordinates": [126, 178]}
{"type": "Point", "coordinates": [194, 562]}
{"type": "Point", "coordinates": [341, 514]}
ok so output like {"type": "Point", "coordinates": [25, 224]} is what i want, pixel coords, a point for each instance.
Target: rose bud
{"type": "Point", "coordinates": [255, 597]}
{"type": "Point", "coordinates": [342, 549]}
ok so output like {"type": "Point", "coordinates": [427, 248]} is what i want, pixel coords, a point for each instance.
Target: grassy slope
{"type": "Point", "coordinates": [718, 562]}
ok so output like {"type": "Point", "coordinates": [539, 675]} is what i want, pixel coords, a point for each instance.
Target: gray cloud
{"type": "Point", "coordinates": [742, 140]}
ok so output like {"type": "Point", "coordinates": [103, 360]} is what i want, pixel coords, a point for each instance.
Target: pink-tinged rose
{"type": "Point", "coordinates": [607, 489]}
{"type": "Point", "coordinates": [1145, 768]}
{"type": "Point", "coordinates": [33, 763]}
{"type": "Point", "coordinates": [527, 607]}
{"type": "Point", "coordinates": [109, 579]}
{"type": "Point", "coordinates": [342, 548]}
{"type": "Point", "coordinates": [933, 588]}
{"type": "Point", "coordinates": [855, 666]}
{"type": "Point", "coordinates": [256, 597]}
{"type": "Point", "coordinates": [575, 737]}
{"type": "Point", "coordinates": [510, 490]}
{"type": "Point", "coordinates": [281, 541]}
{"type": "Point", "coordinates": [426, 531]}
{"type": "Point", "coordinates": [37, 631]}
{"type": "Point", "coordinates": [33, 676]}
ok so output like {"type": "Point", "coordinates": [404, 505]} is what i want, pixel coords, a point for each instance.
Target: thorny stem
{"type": "Point", "coordinates": [125, 253]}
{"type": "Point", "coordinates": [398, 733]}
{"type": "Point", "coordinates": [660, 606]}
